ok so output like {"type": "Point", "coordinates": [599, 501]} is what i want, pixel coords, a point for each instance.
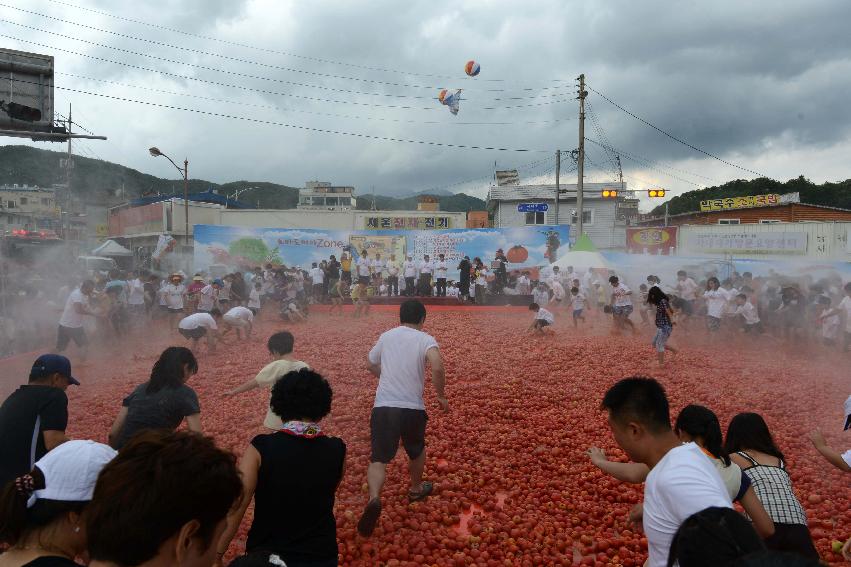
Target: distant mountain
{"type": "Point", "coordinates": [97, 181]}
{"type": "Point", "coordinates": [829, 194]}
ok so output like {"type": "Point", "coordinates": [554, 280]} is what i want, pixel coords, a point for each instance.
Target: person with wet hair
{"type": "Point", "coordinates": [163, 500]}
{"type": "Point", "coordinates": [713, 537]}
{"type": "Point", "coordinates": [41, 512]}
{"type": "Point", "coordinates": [163, 402]}
{"type": "Point", "coordinates": [664, 320]}
{"type": "Point", "coordinates": [293, 505]}
{"type": "Point", "coordinates": [751, 446]}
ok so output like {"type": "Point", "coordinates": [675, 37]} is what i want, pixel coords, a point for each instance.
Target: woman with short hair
{"type": "Point", "coordinates": [293, 475]}
{"type": "Point", "coordinates": [162, 402]}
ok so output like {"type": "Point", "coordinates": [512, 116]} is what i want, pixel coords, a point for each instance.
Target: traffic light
{"type": "Point", "coordinates": [655, 193]}
{"type": "Point", "coordinates": [610, 193]}
{"type": "Point", "coordinates": [20, 112]}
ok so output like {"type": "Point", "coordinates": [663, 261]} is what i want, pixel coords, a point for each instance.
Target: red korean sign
{"type": "Point", "coordinates": [651, 240]}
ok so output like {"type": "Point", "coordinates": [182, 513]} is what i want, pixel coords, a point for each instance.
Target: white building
{"type": "Point", "coordinates": [322, 196]}
{"type": "Point", "coordinates": [604, 219]}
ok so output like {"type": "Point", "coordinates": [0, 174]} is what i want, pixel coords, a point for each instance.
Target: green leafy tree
{"type": "Point", "coordinates": [253, 249]}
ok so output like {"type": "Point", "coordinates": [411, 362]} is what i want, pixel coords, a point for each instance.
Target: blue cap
{"type": "Point", "coordinates": [219, 282]}
{"type": "Point", "coordinates": [47, 364]}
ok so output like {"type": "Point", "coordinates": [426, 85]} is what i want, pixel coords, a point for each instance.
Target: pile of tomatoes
{"type": "Point", "coordinates": [513, 483]}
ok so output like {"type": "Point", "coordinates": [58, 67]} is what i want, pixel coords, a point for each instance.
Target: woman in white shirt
{"type": "Point", "coordinates": [716, 303]}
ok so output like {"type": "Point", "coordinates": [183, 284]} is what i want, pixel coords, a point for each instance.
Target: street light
{"type": "Point", "coordinates": [185, 171]}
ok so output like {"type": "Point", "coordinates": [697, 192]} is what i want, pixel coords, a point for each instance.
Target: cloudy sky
{"type": "Point", "coordinates": [763, 85]}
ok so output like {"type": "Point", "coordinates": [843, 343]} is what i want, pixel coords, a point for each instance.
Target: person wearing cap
{"type": "Point", "coordinates": [209, 295]}
{"type": "Point", "coordinates": [41, 511]}
{"type": "Point", "coordinates": [842, 461]}
{"type": "Point", "coordinates": [175, 294]}
{"type": "Point", "coordinates": [200, 325]}
{"type": "Point", "coordinates": [193, 289]}
{"type": "Point", "coordinates": [34, 417]}
{"type": "Point", "coordinates": [163, 402]}
{"type": "Point", "coordinates": [71, 322]}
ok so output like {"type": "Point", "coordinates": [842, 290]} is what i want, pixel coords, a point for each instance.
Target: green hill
{"type": "Point", "coordinates": [97, 181]}
{"type": "Point", "coordinates": [829, 194]}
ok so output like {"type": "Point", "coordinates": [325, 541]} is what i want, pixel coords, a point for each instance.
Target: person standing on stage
{"type": "Point", "coordinates": [393, 275]}
{"type": "Point", "coordinates": [426, 270]}
{"type": "Point", "coordinates": [410, 271]}
{"type": "Point", "coordinates": [464, 278]}
{"type": "Point", "coordinates": [440, 270]}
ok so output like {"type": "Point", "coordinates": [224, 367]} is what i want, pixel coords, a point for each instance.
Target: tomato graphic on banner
{"type": "Point", "coordinates": [651, 240]}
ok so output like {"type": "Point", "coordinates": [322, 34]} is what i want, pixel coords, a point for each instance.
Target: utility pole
{"type": "Point", "coordinates": [666, 213]}
{"type": "Point", "coordinates": [558, 172]}
{"type": "Point", "coordinates": [620, 173]}
{"type": "Point", "coordinates": [580, 165]}
{"type": "Point", "coordinates": [68, 165]}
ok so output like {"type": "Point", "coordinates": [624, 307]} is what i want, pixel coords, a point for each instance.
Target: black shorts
{"type": "Point", "coordinates": [66, 334]}
{"type": "Point", "coordinates": [389, 425]}
{"type": "Point", "coordinates": [175, 309]}
{"type": "Point", "coordinates": [540, 324]}
{"type": "Point", "coordinates": [195, 333]}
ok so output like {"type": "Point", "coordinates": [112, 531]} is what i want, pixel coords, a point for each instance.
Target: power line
{"type": "Point", "coordinates": [290, 109]}
{"type": "Point", "coordinates": [300, 127]}
{"type": "Point", "coordinates": [650, 164]}
{"type": "Point", "coordinates": [671, 136]}
{"type": "Point", "coordinates": [267, 50]}
{"type": "Point", "coordinates": [248, 61]}
{"type": "Point", "coordinates": [252, 89]}
{"type": "Point", "coordinates": [530, 165]}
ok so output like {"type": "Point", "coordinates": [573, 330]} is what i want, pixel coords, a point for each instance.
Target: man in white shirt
{"type": "Point", "coordinates": [377, 267]}
{"type": "Point", "coordinates": [200, 325]}
{"type": "Point", "coordinates": [393, 275]}
{"type": "Point", "coordinates": [682, 480]}
{"type": "Point", "coordinates": [363, 268]}
{"type": "Point", "coordinates": [136, 295]}
{"type": "Point", "coordinates": [175, 294]}
{"type": "Point", "coordinates": [208, 296]}
{"type": "Point", "coordinates": [426, 268]}
{"type": "Point", "coordinates": [621, 302]}
{"type": "Point", "coordinates": [239, 318]}
{"type": "Point", "coordinates": [410, 272]}
{"type": "Point", "coordinates": [318, 278]}
{"type": "Point", "coordinates": [541, 295]}
{"type": "Point", "coordinates": [441, 268]}
{"type": "Point", "coordinates": [71, 322]}
{"type": "Point", "coordinates": [398, 359]}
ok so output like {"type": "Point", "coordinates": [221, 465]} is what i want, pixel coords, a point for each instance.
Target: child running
{"type": "Point", "coordinates": [748, 312]}
{"type": "Point", "coordinates": [664, 322]}
{"type": "Point", "coordinates": [543, 319]}
{"type": "Point", "coordinates": [621, 302]}
{"type": "Point", "coordinates": [577, 300]}
{"type": "Point", "coordinates": [280, 347]}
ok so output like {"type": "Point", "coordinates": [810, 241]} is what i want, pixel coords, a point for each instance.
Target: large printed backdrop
{"type": "Point", "coordinates": [225, 248]}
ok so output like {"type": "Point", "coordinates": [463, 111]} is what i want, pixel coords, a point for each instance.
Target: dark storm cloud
{"type": "Point", "coordinates": [741, 80]}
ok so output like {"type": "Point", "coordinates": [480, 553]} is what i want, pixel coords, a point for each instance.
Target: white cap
{"type": "Point", "coordinates": [71, 471]}
{"type": "Point", "coordinates": [848, 413]}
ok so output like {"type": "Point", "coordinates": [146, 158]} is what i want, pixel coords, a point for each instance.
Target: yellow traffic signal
{"type": "Point", "coordinates": [655, 192]}
{"type": "Point", "coordinates": [610, 193]}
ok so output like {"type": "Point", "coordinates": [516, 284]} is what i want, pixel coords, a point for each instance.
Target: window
{"type": "Point", "coordinates": [729, 221]}
{"type": "Point", "coordinates": [535, 218]}
{"type": "Point", "coordinates": [24, 200]}
{"type": "Point", "coordinates": [587, 217]}
{"type": "Point", "coordinates": [10, 204]}
{"type": "Point", "coordinates": [768, 221]}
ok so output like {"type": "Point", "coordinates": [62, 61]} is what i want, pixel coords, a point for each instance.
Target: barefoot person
{"type": "Point", "coordinates": [664, 322]}
{"type": "Point", "coordinates": [398, 359]}
{"type": "Point", "coordinates": [240, 319]}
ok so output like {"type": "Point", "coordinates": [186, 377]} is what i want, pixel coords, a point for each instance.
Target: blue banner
{"type": "Point", "coordinates": [229, 248]}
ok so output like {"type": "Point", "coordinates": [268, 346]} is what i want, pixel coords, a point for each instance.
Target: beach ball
{"type": "Point", "coordinates": [472, 68]}
{"type": "Point", "coordinates": [442, 95]}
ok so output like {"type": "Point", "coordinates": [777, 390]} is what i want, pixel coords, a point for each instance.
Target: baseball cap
{"type": "Point", "coordinates": [218, 281]}
{"type": "Point", "coordinates": [47, 364]}
{"type": "Point", "coordinates": [71, 471]}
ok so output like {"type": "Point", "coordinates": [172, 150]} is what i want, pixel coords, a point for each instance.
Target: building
{"type": "Point", "coordinates": [604, 219]}
{"type": "Point", "coordinates": [322, 196]}
{"type": "Point", "coordinates": [756, 209]}
{"type": "Point", "coordinates": [478, 219]}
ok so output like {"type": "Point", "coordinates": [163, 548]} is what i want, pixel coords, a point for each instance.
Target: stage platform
{"type": "Point", "coordinates": [521, 300]}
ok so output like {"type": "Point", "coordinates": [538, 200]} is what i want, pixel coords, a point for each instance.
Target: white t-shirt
{"type": "Point", "coordinates": [716, 301]}
{"type": "Point", "coordinates": [558, 291]}
{"type": "Point", "coordinates": [393, 267]}
{"type": "Point", "coordinates": [317, 275]}
{"type": "Point", "coordinates": [846, 456]}
{"type": "Point", "coordinates": [845, 305]}
{"type": "Point", "coordinates": [748, 311]}
{"type": "Point", "coordinates": [254, 299]}
{"type": "Point", "coordinates": [198, 320]}
{"type": "Point", "coordinates": [363, 266]}
{"type": "Point", "coordinates": [239, 314]}
{"type": "Point", "coordinates": [687, 289]}
{"type": "Point", "coordinates": [382, 289]}
{"type": "Point", "coordinates": [578, 301]}
{"type": "Point", "coordinates": [70, 318]}
{"type": "Point", "coordinates": [483, 277]}
{"type": "Point", "coordinates": [137, 293]}
{"type": "Point", "coordinates": [410, 269]}
{"type": "Point", "coordinates": [545, 315]}
{"type": "Point", "coordinates": [206, 298]}
{"type": "Point", "coordinates": [401, 352]}
{"type": "Point", "coordinates": [267, 378]}
{"type": "Point", "coordinates": [540, 296]}
{"type": "Point", "coordinates": [830, 323]}
{"type": "Point", "coordinates": [684, 482]}
{"type": "Point", "coordinates": [440, 269]}
{"type": "Point", "coordinates": [622, 299]}
{"type": "Point", "coordinates": [377, 266]}
{"type": "Point", "coordinates": [174, 295]}
{"type": "Point", "coordinates": [426, 267]}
